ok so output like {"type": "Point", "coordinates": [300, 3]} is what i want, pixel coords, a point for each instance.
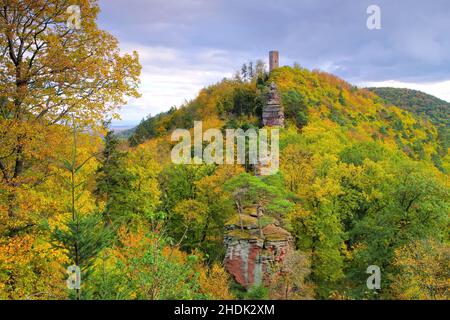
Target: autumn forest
{"type": "Point", "coordinates": [363, 180]}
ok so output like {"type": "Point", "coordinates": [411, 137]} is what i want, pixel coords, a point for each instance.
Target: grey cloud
{"type": "Point", "coordinates": [413, 44]}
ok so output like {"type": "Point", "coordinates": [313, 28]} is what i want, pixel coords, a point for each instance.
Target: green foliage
{"type": "Point", "coordinates": [423, 105]}
{"type": "Point", "coordinates": [83, 236]}
{"type": "Point", "coordinates": [257, 293]}
{"type": "Point", "coordinates": [337, 117]}
{"type": "Point", "coordinates": [248, 190]}
{"type": "Point", "coordinates": [341, 99]}
{"type": "Point", "coordinates": [152, 275]}
{"type": "Point", "coordinates": [252, 72]}
{"type": "Point", "coordinates": [83, 239]}
{"type": "Point", "coordinates": [177, 183]}
{"type": "Point", "coordinates": [321, 234]}
{"type": "Point", "coordinates": [414, 206]}
{"type": "Point", "coordinates": [196, 207]}
{"type": "Point", "coordinates": [244, 102]}
{"type": "Point", "coordinates": [114, 182]}
{"type": "Point", "coordinates": [437, 110]}
{"type": "Point", "coordinates": [358, 152]}
{"type": "Point", "coordinates": [163, 123]}
{"type": "Point", "coordinates": [398, 125]}
{"type": "Point", "coordinates": [438, 162]}
{"type": "Point", "coordinates": [295, 107]}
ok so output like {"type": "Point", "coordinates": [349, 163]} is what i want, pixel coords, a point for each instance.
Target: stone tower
{"type": "Point", "coordinates": [273, 60]}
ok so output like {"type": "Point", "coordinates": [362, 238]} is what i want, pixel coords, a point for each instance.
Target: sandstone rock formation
{"type": "Point", "coordinates": [273, 113]}
{"type": "Point", "coordinates": [252, 254]}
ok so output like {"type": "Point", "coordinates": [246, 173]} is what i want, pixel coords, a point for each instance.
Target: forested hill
{"type": "Point", "coordinates": [420, 103]}
{"type": "Point", "coordinates": [312, 99]}
{"type": "Point", "coordinates": [414, 101]}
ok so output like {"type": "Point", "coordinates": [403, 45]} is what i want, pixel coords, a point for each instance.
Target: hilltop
{"type": "Point", "coordinates": [315, 100]}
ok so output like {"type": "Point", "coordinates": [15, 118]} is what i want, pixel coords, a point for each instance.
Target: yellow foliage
{"type": "Point", "coordinates": [31, 269]}
{"type": "Point", "coordinates": [214, 282]}
{"type": "Point", "coordinates": [424, 271]}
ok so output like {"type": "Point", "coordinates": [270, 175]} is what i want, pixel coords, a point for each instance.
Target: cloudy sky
{"type": "Point", "coordinates": [187, 44]}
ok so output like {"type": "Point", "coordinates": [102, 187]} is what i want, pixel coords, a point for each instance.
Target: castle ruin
{"type": "Point", "coordinates": [273, 60]}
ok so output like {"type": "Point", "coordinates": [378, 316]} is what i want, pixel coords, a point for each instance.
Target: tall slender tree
{"type": "Point", "coordinates": [113, 181]}
{"type": "Point", "coordinates": [84, 235]}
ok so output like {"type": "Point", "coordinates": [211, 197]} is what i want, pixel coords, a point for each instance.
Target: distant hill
{"type": "Point", "coordinates": [123, 132]}
{"type": "Point", "coordinates": [423, 105]}
{"type": "Point", "coordinates": [417, 102]}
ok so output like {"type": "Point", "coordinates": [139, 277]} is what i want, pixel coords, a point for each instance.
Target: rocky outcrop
{"type": "Point", "coordinates": [253, 248]}
{"type": "Point", "coordinates": [273, 113]}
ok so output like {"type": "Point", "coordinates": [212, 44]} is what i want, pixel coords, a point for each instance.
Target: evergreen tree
{"type": "Point", "coordinates": [84, 235]}
{"type": "Point", "coordinates": [251, 71]}
{"type": "Point", "coordinates": [244, 72]}
{"type": "Point", "coordinates": [114, 182]}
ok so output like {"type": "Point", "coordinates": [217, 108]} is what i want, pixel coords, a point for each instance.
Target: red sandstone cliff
{"type": "Point", "coordinates": [250, 257]}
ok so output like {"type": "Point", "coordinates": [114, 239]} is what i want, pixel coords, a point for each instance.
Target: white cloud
{"type": "Point", "coordinates": [170, 78]}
